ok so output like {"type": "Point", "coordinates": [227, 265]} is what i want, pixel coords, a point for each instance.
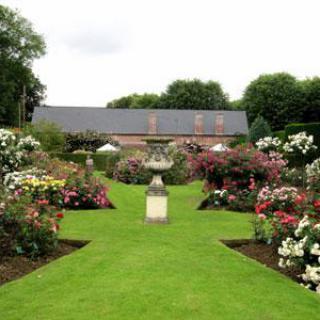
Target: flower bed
{"type": "Point", "coordinates": [240, 171]}
{"type": "Point", "coordinates": [36, 188]}
{"type": "Point", "coordinates": [14, 267]}
{"type": "Point", "coordinates": [132, 171]}
{"type": "Point", "coordinates": [290, 220]}
{"type": "Point", "coordinates": [28, 227]}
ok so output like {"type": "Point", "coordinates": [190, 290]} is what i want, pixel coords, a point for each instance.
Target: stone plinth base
{"type": "Point", "coordinates": [157, 206]}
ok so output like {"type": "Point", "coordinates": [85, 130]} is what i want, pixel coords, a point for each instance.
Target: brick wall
{"type": "Point", "coordinates": [136, 140]}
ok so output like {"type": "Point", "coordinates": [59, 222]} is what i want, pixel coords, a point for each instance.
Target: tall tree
{"type": "Point", "coordinates": [311, 90]}
{"type": "Point", "coordinates": [194, 94]}
{"type": "Point", "coordinates": [19, 46]}
{"type": "Point", "coordinates": [135, 101]}
{"type": "Point", "coordinates": [259, 129]}
{"type": "Point", "coordinates": [277, 97]}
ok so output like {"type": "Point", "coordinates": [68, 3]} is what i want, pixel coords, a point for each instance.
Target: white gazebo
{"type": "Point", "coordinates": [219, 148]}
{"type": "Point", "coordinates": [108, 148]}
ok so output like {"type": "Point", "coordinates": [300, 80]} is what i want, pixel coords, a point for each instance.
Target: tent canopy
{"type": "Point", "coordinates": [219, 148]}
{"type": "Point", "coordinates": [107, 147]}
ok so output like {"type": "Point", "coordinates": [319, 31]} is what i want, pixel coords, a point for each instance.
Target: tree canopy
{"type": "Point", "coordinates": [19, 46]}
{"type": "Point", "coordinates": [277, 97]}
{"type": "Point", "coordinates": [180, 94]}
{"type": "Point", "coordinates": [259, 129]}
{"type": "Point", "coordinates": [311, 91]}
{"type": "Point", "coordinates": [194, 94]}
{"type": "Point", "coordinates": [135, 101]}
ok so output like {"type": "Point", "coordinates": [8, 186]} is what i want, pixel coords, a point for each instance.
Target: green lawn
{"type": "Point", "coordinates": [135, 271]}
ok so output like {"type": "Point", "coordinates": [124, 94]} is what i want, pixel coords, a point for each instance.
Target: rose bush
{"type": "Point", "coordinates": [28, 227]}
{"type": "Point", "coordinates": [280, 210]}
{"type": "Point", "coordinates": [14, 151]}
{"type": "Point", "coordinates": [302, 249]}
{"type": "Point", "coordinates": [268, 144]}
{"type": "Point", "coordinates": [241, 171]}
{"type": "Point", "coordinates": [87, 193]}
{"type": "Point", "coordinates": [132, 171]}
{"type": "Point", "coordinates": [10, 155]}
{"type": "Point", "coordinates": [299, 144]}
{"type": "Point", "coordinates": [313, 175]}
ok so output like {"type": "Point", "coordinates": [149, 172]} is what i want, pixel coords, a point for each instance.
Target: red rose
{"type": "Point", "coordinates": [59, 215]}
{"type": "Point", "coordinates": [316, 204]}
{"type": "Point", "coordinates": [43, 202]}
{"type": "Point", "coordinates": [299, 199]}
{"type": "Point", "coordinates": [280, 213]}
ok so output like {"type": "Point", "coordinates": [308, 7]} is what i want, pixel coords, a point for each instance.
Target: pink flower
{"type": "Point", "coordinates": [232, 197]}
{"type": "Point", "coordinates": [37, 224]}
{"type": "Point", "coordinates": [18, 192]}
{"type": "Point", "coordinates": [262, 216]}
{"type": "Point", "coordinates": [35, 214]}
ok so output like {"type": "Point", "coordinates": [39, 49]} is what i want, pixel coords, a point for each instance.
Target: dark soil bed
{"type": "Point", "coordinates": [264, 253]}
{"type": "Point", "coordinates": [14, 267]}
{"type": "Point", "coordinates": [206, 204]}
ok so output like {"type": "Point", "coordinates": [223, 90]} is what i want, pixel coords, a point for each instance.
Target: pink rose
{"type": "Point", "coordinates": [262, 216]}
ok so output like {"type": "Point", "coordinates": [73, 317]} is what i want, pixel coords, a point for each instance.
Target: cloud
{"type": "Point", "coordinates": [96, 40]}
{"type": "Point", "coordinates": [100, 50]}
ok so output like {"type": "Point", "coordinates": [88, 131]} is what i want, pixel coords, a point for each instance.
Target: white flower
{"type": "Point", "coordinates": [282, 263]}
{"type": "Point", "coordinates": [268, 143]}
{"type": "Point", "coordinates": [315, 250]}
{"type": "Point", "coordinates": [299, 143]}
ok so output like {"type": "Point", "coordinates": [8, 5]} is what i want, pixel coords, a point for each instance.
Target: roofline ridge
{"type": "Point", "coordinates": [129, 109]}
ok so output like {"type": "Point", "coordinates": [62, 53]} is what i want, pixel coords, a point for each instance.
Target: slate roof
{"type": "Point", "coordinates": [135, 121]}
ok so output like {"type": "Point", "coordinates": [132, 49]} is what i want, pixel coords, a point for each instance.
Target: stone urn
{"type": "Point", "coordinates": [157, 161]}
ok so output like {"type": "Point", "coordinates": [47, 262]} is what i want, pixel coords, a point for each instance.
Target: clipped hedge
{"type": "Point", "coordinates": [280, 134]}
{"type": "Point", "coordinates": [102, 161]}
{"type": "Point", "coordinates": [310, 129]}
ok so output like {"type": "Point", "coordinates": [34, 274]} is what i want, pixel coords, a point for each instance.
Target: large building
{"type": "Point", "coordinates": [130, 126]}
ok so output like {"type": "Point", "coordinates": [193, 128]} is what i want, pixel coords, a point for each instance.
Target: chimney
{"type": "Point", "coordinates": [198, 123]}
{"type": "Point", "coordinates": [152, 123]}
{"type": "Point", "coordinates": [219, 124]}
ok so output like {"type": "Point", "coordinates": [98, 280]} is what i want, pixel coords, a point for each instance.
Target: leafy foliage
{"type": "Point", "coordinates": [310, 129]}
{"type": "Point", "coordinates": [48, 134]}
{"type": "Point", "coordinates": [259, 130]}
{"type": "Point", "coordinates": [27, 227]}
{"type": "Point", "coordinates": [278, 98]}
{"type": "Point", "coordinates": [311, 91]}
{"type": "Point", "coordinates": [101, 161]}
{"type": "Point", "coordinates": [239, 171]}
{"type": "Point", "coordinates": [135, 101]}
{"type": "Point", "coordinates": [88, 141]}
{"type": "Point", "coordinates": [131, 170]}
{"type": "Point", "coordinates": [19, 46]}
{"type": "Point", "coordinates": [180, 94]}
{"type": "Point", "coordinates": [194, 94]}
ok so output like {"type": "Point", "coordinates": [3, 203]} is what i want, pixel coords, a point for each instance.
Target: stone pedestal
{"type": "Point", "coordinates": [156, 207]}
{"type": "Point", "coordinates": [158, 161]}
{"type": "Point", "coordinates": [89, 165]}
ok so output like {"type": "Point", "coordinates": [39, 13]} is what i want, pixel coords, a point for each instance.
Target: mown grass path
{"type": "Point", "coordinates": [136, 271]}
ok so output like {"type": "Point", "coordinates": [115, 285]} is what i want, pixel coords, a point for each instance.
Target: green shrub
{"type": "Point", "coordinates": [131, 171]}
{"type": "Point", "coordinates": [310, 129]}
{"type": "Point", "coordinates": [28, 228]}
{"type": "Point", "coordinates": [48, 134]}
{"type": "Point", "coordinates": [240, 140]}
{"type": "Point", "coordinates": [259, 129]}
{"type": "Point", "coordinates": [87, 141]}
{"type": "Point", "coordinates": [280, 134]}
{"type": "Point", "coordinates": [102, 162]}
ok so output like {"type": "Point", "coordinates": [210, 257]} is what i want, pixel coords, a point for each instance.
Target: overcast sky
{"type": "Point", "coordinates": [99, 50]}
